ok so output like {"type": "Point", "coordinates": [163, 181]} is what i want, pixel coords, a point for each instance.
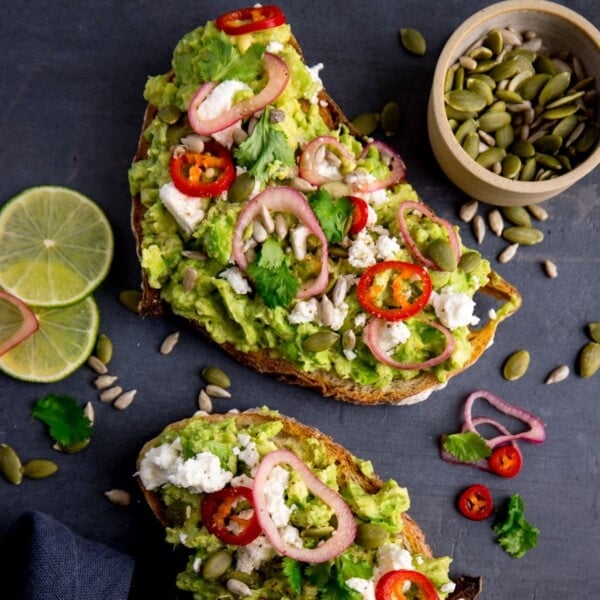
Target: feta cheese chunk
{"type": "Point", "coordinates": [393, 334]}
{"type": "Point", "coordinates": [365, 587]}
{"type": "Point", "coordinates": [453, 309]}
{"type": "Point", "coordinates": [188, 211]}
{"type": "Point", "coordinates": [362, 252]}
{"type": "Point", "coordinates": [236, 280]}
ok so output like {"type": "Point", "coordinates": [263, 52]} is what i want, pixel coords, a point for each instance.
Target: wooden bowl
{"type": "Point", "coordinates": [561, 29]}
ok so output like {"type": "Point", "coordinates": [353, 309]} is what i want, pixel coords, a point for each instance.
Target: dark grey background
{"type": "Point", "coordinates": [71, 81]}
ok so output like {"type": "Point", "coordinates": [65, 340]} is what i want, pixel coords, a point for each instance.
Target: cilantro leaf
{"type": "Point", "coordinates": [266, 149]}
{"type": "Point", "coordinates": [467, 446]}
{"type": "Point", "coordinates": [330, 577]}
{"type": "Point", "coordinates": [274, 281]}
{"type": "Point", "coordinates": [515, 534]}
{"type": "Point", "coordinates": [66, 420]}
{"type": "Point", "coordinates": [333, 215]}
{"type": "Point", "coordinates": [291, 569]}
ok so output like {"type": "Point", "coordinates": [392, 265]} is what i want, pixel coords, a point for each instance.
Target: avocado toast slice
{"type": "Point", "coordinates": [270, 267]}
{"type": "Point", "coordinates": [383, 538]}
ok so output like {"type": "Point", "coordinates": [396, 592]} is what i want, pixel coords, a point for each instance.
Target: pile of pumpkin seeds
{"type": "Point", "coordinates": [13, 469]}
{"type": "Point", "coordinates": [217, 384]}
{"type": "Point", "coordinates": [519, 111]}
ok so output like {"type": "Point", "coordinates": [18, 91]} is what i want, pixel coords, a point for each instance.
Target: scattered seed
{"type": "Point", "coordinates": [104, 348]}
{"type": "Point", "coordinates": [190, 276]}
{"type": "Point", "coordinates": [468, 210]}
{"type": "Point", "coordinates": [508, 253]}
{"type": "Point", "coordinates": [594, 331]}
{"type": "Point", "coordinates": [111, 394]}
{"type": "Point", "coordinates": [516, 365]}
{"type": "Point", "coordinates": [496, 222]}
{"type": "Point", "coordinates": [103, 382]}
{"type": "Point", "coordinates": [205, 402]}
{"type": "Point", "coordinates": [390, 118]}
{"type": "Point", "coordinates": [413, 41]}
{"type": "Point", "coordinates": [550, 268]}
{"type": "Point", "coordinates": [478, 228]}
{"type": "Point", "coordinates": [131, 299]}
{"type": "Point", "coordinates": [441, 253]}
{"type": "Point", "coordinates": [169, 343]}
{"type": "Point", "coordinates": [320, 341]}
{"type": "Point", "coordinates": [469, 261]}
{"type": "Point", "coordinates": [216, 376]}
{"type": "Point", "coordinates": [589, 359]}
{"type": "Point", "coordinates": [366, 123]}
{"type": "Point", "coordinates": [194, 255]}
{"type": "Point", "coordinates": [89, 412]}
{"type": "Point", "coordinates": [340, 290]}
{"type": "Point", "coordinates": [517, 215]}
{"type": "Point", "coordinates": [39, 468]}
{"type": "Point", "coordinates": [526, 236]}
{"type": "Point", "coordinates": [118, 497]}
{"type": "Point", "coordinates": [124, 400]}
{"type": "Point", "coordinates": [10, 465]}
{"type": "Point", "coordinates": [538, 212]}
{"type": "Point", "coordinates": [216, 391]}
{"type": "Point", "coordinates": [349, 339]}
{"type": "Point", "coordinates": [558, 374]}
{"type": "Point", "coordinates": [97, 365]}
{"type": "Point", "coordinates": [238, 588]}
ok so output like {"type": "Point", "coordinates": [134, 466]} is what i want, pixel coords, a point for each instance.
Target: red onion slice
{"type": "Point", "coordinates": [287, 200]}
{"type": "Point", "coordinates": [279, 75]}
{"type": "Point", "coordinates": [341, 538]}
{"type": "Point", "coordinates": [397, 169]}
{"type": "Point", "coordinates": [426, 211]}
{"type": "Point", "coordinates": [28, 326]}
{"type": "Point", "coordinates": [372, 337]}
{"type": "Point", "coordinates": [311, 160]}
{"type": "Point", "coordinates": [536, 433]}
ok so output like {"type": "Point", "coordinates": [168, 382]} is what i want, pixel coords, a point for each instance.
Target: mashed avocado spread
{"type": "Point", "coordinates": [187, 463]}
{"type": "Point", "coordinates": [187, 242]}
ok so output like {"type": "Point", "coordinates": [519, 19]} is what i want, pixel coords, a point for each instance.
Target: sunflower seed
{"type": "Point", "coordinates": [124, 400]}
{"type": "Point", "coordinates": [118, 497]}
{"type": "Point", "coordinates": [169, 343]}
{"type": "Point", "coordinates": [190, 276]}
{"type": "Point", "coordinates": [97, 365]}
{"type": "Point", "coordinates": [111, 394]}
{"type": "Point", "coordinates": [558, 374]}
{"type": "Point", "coordinates": [89, 412]}
{"type": "Point", "coordinates": [302, 185]}
{"type": "Point", "coordinates": [104, 381]}
{"type": "Point", "coordinates": [194, 255]}
{"type": "Point", "coordinates": [539, 213]}
{"type": "Point", "coordinates": [267, 220]}
{"type": "Point", "coordinates": [326, 311]}
{"type": "Point", "coordinates": [478, 228]}
{"type": "Point", "coordinates": [205, 402]}
{"type": "Point", "coordinates": [281, 226]}
{"type": "Point", "coordinates": [496, 222]}
{"type": "Point", "coordinates": [550, 269]}
{"type": "Point", "coordinates": [238, 588]}
{"type": "Point", "coordinates": [348, 339]}
{"type": "Point", "coordinates": [216, 391]}
{"type": "Point", "coordinates": [508, 253]}
{"type": "Point", "coordinates": [468, 210]}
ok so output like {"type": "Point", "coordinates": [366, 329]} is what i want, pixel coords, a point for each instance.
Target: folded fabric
{"type": "Point", "coordinates": [43, 559]}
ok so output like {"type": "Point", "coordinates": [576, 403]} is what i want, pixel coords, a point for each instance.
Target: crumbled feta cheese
{"type": "Point", "coordinates": [365, 587]}
{"type": "Point", "coordinates": [291, 536]}
{"type": "Point", "coordinates": [362, 251]}
{"type": "Point", "coordinates": [492, 314]}
{"type": "Point", "coordinates": [453, 309]}
{"type": "Point", "coordinates": [236, 280]}
{"type": "Point", "coordinates": [274, 47]}
{"type": "Point", "coordinates": [448, 588]}
{"type": "Point", "coordinates": [196, 565]}
{"type": "Point", "coordinates": [393, 334]}
{"type": "Point", "coordinates": [371, 216]}
{"type": "Point", "coordinates": [220, 98]}
{"type": "Point", "coordinates": [338, 315]}
{"type": "Point", "coordinates": [391, 557]}
{"type": "Point", "coordinates": [242, 480]}
{"type": "Point", "coordinates": [248, 453]}
{"type": "Point", "coordinates": [360, 320]}
{"type": "Point", "coordinates": [305, 311]}
{"type": "Point", "coordinates": [156, 464]}
{"type": "Point", "coordinates": [387, 247]}
{"type": "Point", "coordinates": [273, 491]}
{"type": "Point", "coordinates": [251, 556]}
{"type": "Point", "coordinates": [314, 73]}
{"type": "Point", "coordinates": [201, 473]}
{"type": "Point", "coordinates": [349, 354]}
{"type": "Point", "coordinates": [186, 210]}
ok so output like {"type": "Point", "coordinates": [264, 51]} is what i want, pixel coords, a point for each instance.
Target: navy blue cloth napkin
{"type": "Point", "coordinates": [42, 559]}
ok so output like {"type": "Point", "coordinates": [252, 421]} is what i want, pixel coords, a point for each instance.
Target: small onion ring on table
{"type": "Point", "coordinates": [28, 326]}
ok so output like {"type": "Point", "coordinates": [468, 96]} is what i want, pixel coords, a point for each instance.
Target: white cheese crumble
{"type": "Point", "coordinates": [393, 334]}
{"type": "Point", "coordinates": [186, 210]}
{"type": "Point", "coordinates": [236, 280]}
{"type": "Point", "coordinates": [274, 47]}
{"type": "Point", "coordinates": [387, 247]}
{"type": "Point", "coordinates": [362, 253]}
{"type": "Point", "coordinates": [251, 556]}
{"type": "Point", "coordinates": [453, 309]}
{"type": "Point", "coordinates": [274, 490]}
{"type": "Point", "coordinates": [220, 98]}
{"type": "Point", "coordinates": [305, 311]}
{"type": "Point", "coordinates": [314, 73]}
{"type": "Point", "coordinates": [391, 557]}
{"type": "Point", "coordinates": [365, 587]}
{"type": "Point", "coordinates": [248, 453]}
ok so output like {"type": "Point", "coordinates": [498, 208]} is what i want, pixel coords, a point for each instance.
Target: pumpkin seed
{"type": "Point", "coordinates": [371, 535]}
{"type": "Point", "coordinates": [169, 114]}
{"type": "Point", "coordinates": [10, 465]}
{"type": "Point", "coordinates": [104, 348]}
{"type": "Point", "coordinates": [459, 115]}
{"type": "Point", "coordinates": [548, 161]}
{"type": "Point", "coordinates": [471, 145]}
{"type": "Point", "coordinates": [528, 170]}
{"type": "Point", "coordinates": [566, 99]}
{"type": "Point", "coordinates": [489, 157]}
{"type": "Point", "coordinates": [523, 149]}
{"type": "Point", "coordinates": [510, 67]}
{"type": "Point", "coordinates": [511, 97]}
{"type": "Point", "coordinates": [594, 331]}
{"type": "Point", "coordinates": [548, 144]}
{"type": "Point", "coordinates": [413, 41]}
{"type": "Point", "coordinates": [216, 376]}
{"type": "Point", "coordinates": [241, 188]}
{"type": "Point", "coordinates": [320, 341]}
{"type": "Point", "coordinates": [390, 118]}
{"type": "Point", "coordinates": [589, 359]}
{"type": "Point", "coordinates": [516, 365]}
{"type": "Point", "coordinates": [482, 89]}
{"type": "Point", "coordinates": [526, 236]}
{"type": "Point", "coordinates": [545, 65]}
{"type": "Point", "coordinates": [73, 448]}
{"type": "Point", "coordinates": [494, 41]}
{"type": "Point", "coordinates": [468, 210]}
{"type": "Point", "coordinates": [588, 139]}
{"type": "Point", "coordinates": [517, 215]}
{"type": "Point", "coordinates": [508, 253]}
{"type": "Point", "coordinates": [459, 78]}
{"type": "Point", "coordinates": [550, 269]}
{"type": "Point", "coordinates": [554, 87]}
{"type": "Point", "coordinates": [558, 374]}
{"type": "Point", "coordinates": [493, 120]}
{"type": "Point", "coordinates": [469, 261]}
{"type": "Point", "coordinates": [39, 468]}
{"type": "Point", "coordinates": [366, 123]}
{"type": "Point", "coordinates": [442, 254]}
{"type": "Point", "coordinates": [511, 166]}
{"type": "Point", "coordinates": [217, 564]}
{"type": "Point", "coordinates": [131, 299]}
{"type": "Point", "coordinates": [505, 136]}
{"type": "Point", "coordinates": [465, 101]}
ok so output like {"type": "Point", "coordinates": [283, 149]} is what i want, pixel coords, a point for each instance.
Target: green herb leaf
{"type": "Point", "coordinates": [330, 578]}
{"type": "Point", "coordinates": [66, 420]}
{"type": "Point", "coordinates": [265, 150]}
{"type": "Point", "coordinates": [333, 215]}
{"type": "Point", "coordinates": [467, 446]}
{"type": "Point", "coordinates": [292, 570]}
{"type": "Point", "coordinates": [515, 534]}
{"type": "Point", "coordinates": [274, 281]}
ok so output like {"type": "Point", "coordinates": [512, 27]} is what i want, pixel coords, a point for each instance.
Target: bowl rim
{"type": "Point", "coordinates": [448, 56]}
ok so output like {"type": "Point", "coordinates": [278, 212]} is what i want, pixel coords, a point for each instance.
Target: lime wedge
{"type": "Point", "coordinates": [63, 342]}
{"type": "Point", "coordinates": [56, 246]}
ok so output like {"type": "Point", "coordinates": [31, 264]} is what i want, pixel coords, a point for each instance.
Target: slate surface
{"type": "Point", "coordinates": [71, 81]}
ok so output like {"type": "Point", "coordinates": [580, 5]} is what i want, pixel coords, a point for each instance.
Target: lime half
{"type": "Point", "coordinates": [63, 342]}
{"type": "Point", "coordinates": [56, 246]}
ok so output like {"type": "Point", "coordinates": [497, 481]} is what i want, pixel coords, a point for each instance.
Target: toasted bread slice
{"type": "Point", "coordinates": [348, 471]}
{"type": "Point", "coordinates": [327, 382]}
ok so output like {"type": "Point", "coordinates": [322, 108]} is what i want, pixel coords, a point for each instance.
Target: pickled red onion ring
{"type": "Point", "coordinates": [420, 208]}
{"type": "Point", "coordinates": [279, 75]}
{"type": "Point", "coordinates": [287, 200]}
{"type": "Point", "coordinates": [333, 546]}
{"type": "Point", "coordinates": [309, 159]}
{"type": "Point", "coordinates": [372, 337]}
{"type": "Point", "coordinates": [536, 433]}
{"type": "Point", "coordinates": [397, 169]}
{"type": "Point", "coordinates": [28, 326]}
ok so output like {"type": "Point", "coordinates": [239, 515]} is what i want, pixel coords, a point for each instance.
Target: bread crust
{"type": "Point", "coordinates": [399, 392]}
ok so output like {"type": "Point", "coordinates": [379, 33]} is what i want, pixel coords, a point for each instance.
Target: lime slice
{"type": "Point", "coordinates": [63, 342]}
{"type": "Point", "coordinates": [56, 246]}
{"type": "Point", "coordinates": [17, 322]}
